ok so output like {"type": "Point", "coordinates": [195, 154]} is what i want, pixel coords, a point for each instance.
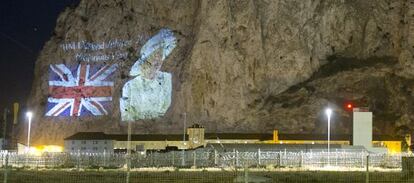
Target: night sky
{"type": "Point", "coordinates": [25, 26]}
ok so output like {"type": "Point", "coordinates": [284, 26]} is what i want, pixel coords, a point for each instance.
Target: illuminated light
{"type": "Point", "coordinates": [148, 94]}
{"type": "Point", "coordinates": [33, 151]}
{"type": "Point", "coordinates": [328, 112]}
{"type": "Point", "coordinates": [348, 106]}
{"type": "Point", "coordinates": [82, 90]}
{"type": "Point", "coordinates": [39, 150]}
{"type": "Point", "coordinates": [29, 114]}
{"type": "Point", "coordinates": [52, 148]}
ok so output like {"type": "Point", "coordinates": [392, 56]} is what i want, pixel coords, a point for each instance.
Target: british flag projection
{"type": "Point", "coordinates": [80, 90]}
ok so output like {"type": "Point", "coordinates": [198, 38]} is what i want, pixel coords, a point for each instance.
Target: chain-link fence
{"type": "Point", "coordinates": [207, 166]}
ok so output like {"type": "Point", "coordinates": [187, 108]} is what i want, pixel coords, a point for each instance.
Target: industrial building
{"type": "Point", "coordinates": [197, 138]}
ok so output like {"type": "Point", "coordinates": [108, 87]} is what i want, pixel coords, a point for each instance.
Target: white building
{"type": "Point", "coordinates": [362, 130]}
{"type": "Point", "coordinates": [93, 142]}
{"type": "Point", "coordinates": [99, 142]}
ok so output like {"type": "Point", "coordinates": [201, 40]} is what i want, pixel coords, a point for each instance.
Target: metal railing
{"type": "Point", "coordinates": [203, 159]}
{"type": "Point", "coordinates": [204, 165]}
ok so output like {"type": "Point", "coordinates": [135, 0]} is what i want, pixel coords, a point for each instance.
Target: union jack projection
{"type": "Point", "coordinates": [82, 90]}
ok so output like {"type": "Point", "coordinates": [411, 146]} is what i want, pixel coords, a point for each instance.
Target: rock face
{"type": "Point", "coordinates": [242, 65]}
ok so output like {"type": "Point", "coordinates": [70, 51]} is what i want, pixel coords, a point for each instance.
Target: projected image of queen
{"type": "Point", "coordinates": [148, 95]}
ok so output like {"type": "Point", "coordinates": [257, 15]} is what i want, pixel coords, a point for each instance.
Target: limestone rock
{"type": "Point", "coordinates": [243, 65]}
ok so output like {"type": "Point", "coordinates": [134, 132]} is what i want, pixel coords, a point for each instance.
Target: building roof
{"type": "Point", "coordinates": [338, 137]}
{"type": "Point", "coordinates": [124, 137]}
{"type": "Point", "coordinates": [261, 136]}
{"type": "Point", "coordinates": [387, 138]}
{"type": "Point", "coordinates": [89, 136]}
{"type": "Point", "coordinates": [241, 136]}
{"type": "Point", "coordinates": [149, 137]}
{"type": "Point", "coordinates": [282, 147]}
{"type": "Point", "coordinates": [221, 136]}
{"type": "Point", "coordinates": [196, 126]}
{"type": "Point", "coordinates": [315, 137]}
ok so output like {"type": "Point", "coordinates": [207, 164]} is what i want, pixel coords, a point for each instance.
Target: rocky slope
{"type": "Point", "coordinates": [246, 65]}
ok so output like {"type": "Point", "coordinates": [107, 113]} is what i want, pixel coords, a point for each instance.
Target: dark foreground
{"type": "Point", "coordinates": [58, 176]}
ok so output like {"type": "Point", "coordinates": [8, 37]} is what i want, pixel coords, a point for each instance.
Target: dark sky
{"type": "Point", "coordinates": [25, 26]}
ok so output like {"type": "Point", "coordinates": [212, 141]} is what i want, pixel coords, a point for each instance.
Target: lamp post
{"type": "Point", "coordinates": [29, 116]}
{"type": "Point", "coordinates": [329, 113]}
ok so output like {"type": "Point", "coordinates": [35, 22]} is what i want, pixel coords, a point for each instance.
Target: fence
{"type": "Point", "coordinates": [205, 166]}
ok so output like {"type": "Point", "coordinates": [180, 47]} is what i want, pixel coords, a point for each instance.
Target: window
{"type": "Point", "coordinates": [73, 142]}
{"type": "Point", "coordinates": [95, 142]}
{"type": "Point", "coordinates": [83, 148]}
{"type": "Point", "coordinates": [73, 148]}
{"type": "Point", "coordinates": [105, 142]}
{"type": "Point", "coordinates": [95, 148]}
{"type": "Point", "coordinates": [83, 141]}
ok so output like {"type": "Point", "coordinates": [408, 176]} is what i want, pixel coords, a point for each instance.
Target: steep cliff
{"type": "Point", "coordinates": [241, 65]}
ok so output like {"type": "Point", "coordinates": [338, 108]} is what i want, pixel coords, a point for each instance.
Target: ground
{"type": "Point", "coordinates": [40, 176]}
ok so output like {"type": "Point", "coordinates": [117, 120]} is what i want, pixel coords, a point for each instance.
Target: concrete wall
{"type": "Point", "coordinates": [362, 129]}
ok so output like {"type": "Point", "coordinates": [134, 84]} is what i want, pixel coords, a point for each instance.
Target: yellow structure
{"type": "Point", "coordinates": [275, 136]}
{"type": "Point", "coordinates": [298, 140]}
{"type": "Point", "coordinates": [393, 145]}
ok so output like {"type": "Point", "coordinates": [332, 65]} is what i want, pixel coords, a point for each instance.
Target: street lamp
{"type": "Point", "coordinates": [329, 113]}
{"type": "Point", "coordinates": [29, 115]}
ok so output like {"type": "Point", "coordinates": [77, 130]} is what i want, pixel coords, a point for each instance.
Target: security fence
{"type": "Point", "coordinates": [207, 166]}
{"type": "Point", "coordinates": [203, 159]}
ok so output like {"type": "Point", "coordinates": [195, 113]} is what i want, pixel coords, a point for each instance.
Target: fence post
{"type": "Point", "coordinates": [2, 159]}
{"type": "Point", "coordinates": [44, 161]}
{"type": "Point", "coordinates": [258, 156]}
{"type": "Point", "coordinates": [215, 157]}
{"type": "Point", "coordinates": [280, 158]}
{"type": "Point", "coordinates": [37, 161]}
{"type": "Point", "coordinates": [104, 158]}
{"type": "Point", "coordinates": [78, 161]}
{"type": "Point", "coordinates": [6, 168]}
{"type": "Point", "coordinates": [152, 158]}
{"type": "Point", "coordinates": [362, 159]}
{"type": "Point", "coordinates": [336, 157]}
{"type": "Point", "coordinates": [246, 173]}
{"type": "Point", "coordinates": [173, 158]}
{"type": "Point", "coordinates": [194, 157]}
{"type": "Point", "coordinates": [301, 159]}
{"type": "Point", "coordinates": [237, 158]}
{"type": "Point", "coordinates": [183, 158]}
{"type": "Point", "coordinates": [367, 171]}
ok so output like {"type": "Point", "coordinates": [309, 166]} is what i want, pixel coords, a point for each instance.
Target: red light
{"type": "Point", "coordinates": [349, 106]}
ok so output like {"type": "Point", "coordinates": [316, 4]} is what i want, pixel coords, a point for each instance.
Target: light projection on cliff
{"type": "Point", "coordinates": [148, 95]}
{"type": "Point", "coordinates": [80, 90]}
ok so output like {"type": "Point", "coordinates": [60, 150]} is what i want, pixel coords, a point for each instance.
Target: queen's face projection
{"type": "Point", "coordinates": [148, 95]}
